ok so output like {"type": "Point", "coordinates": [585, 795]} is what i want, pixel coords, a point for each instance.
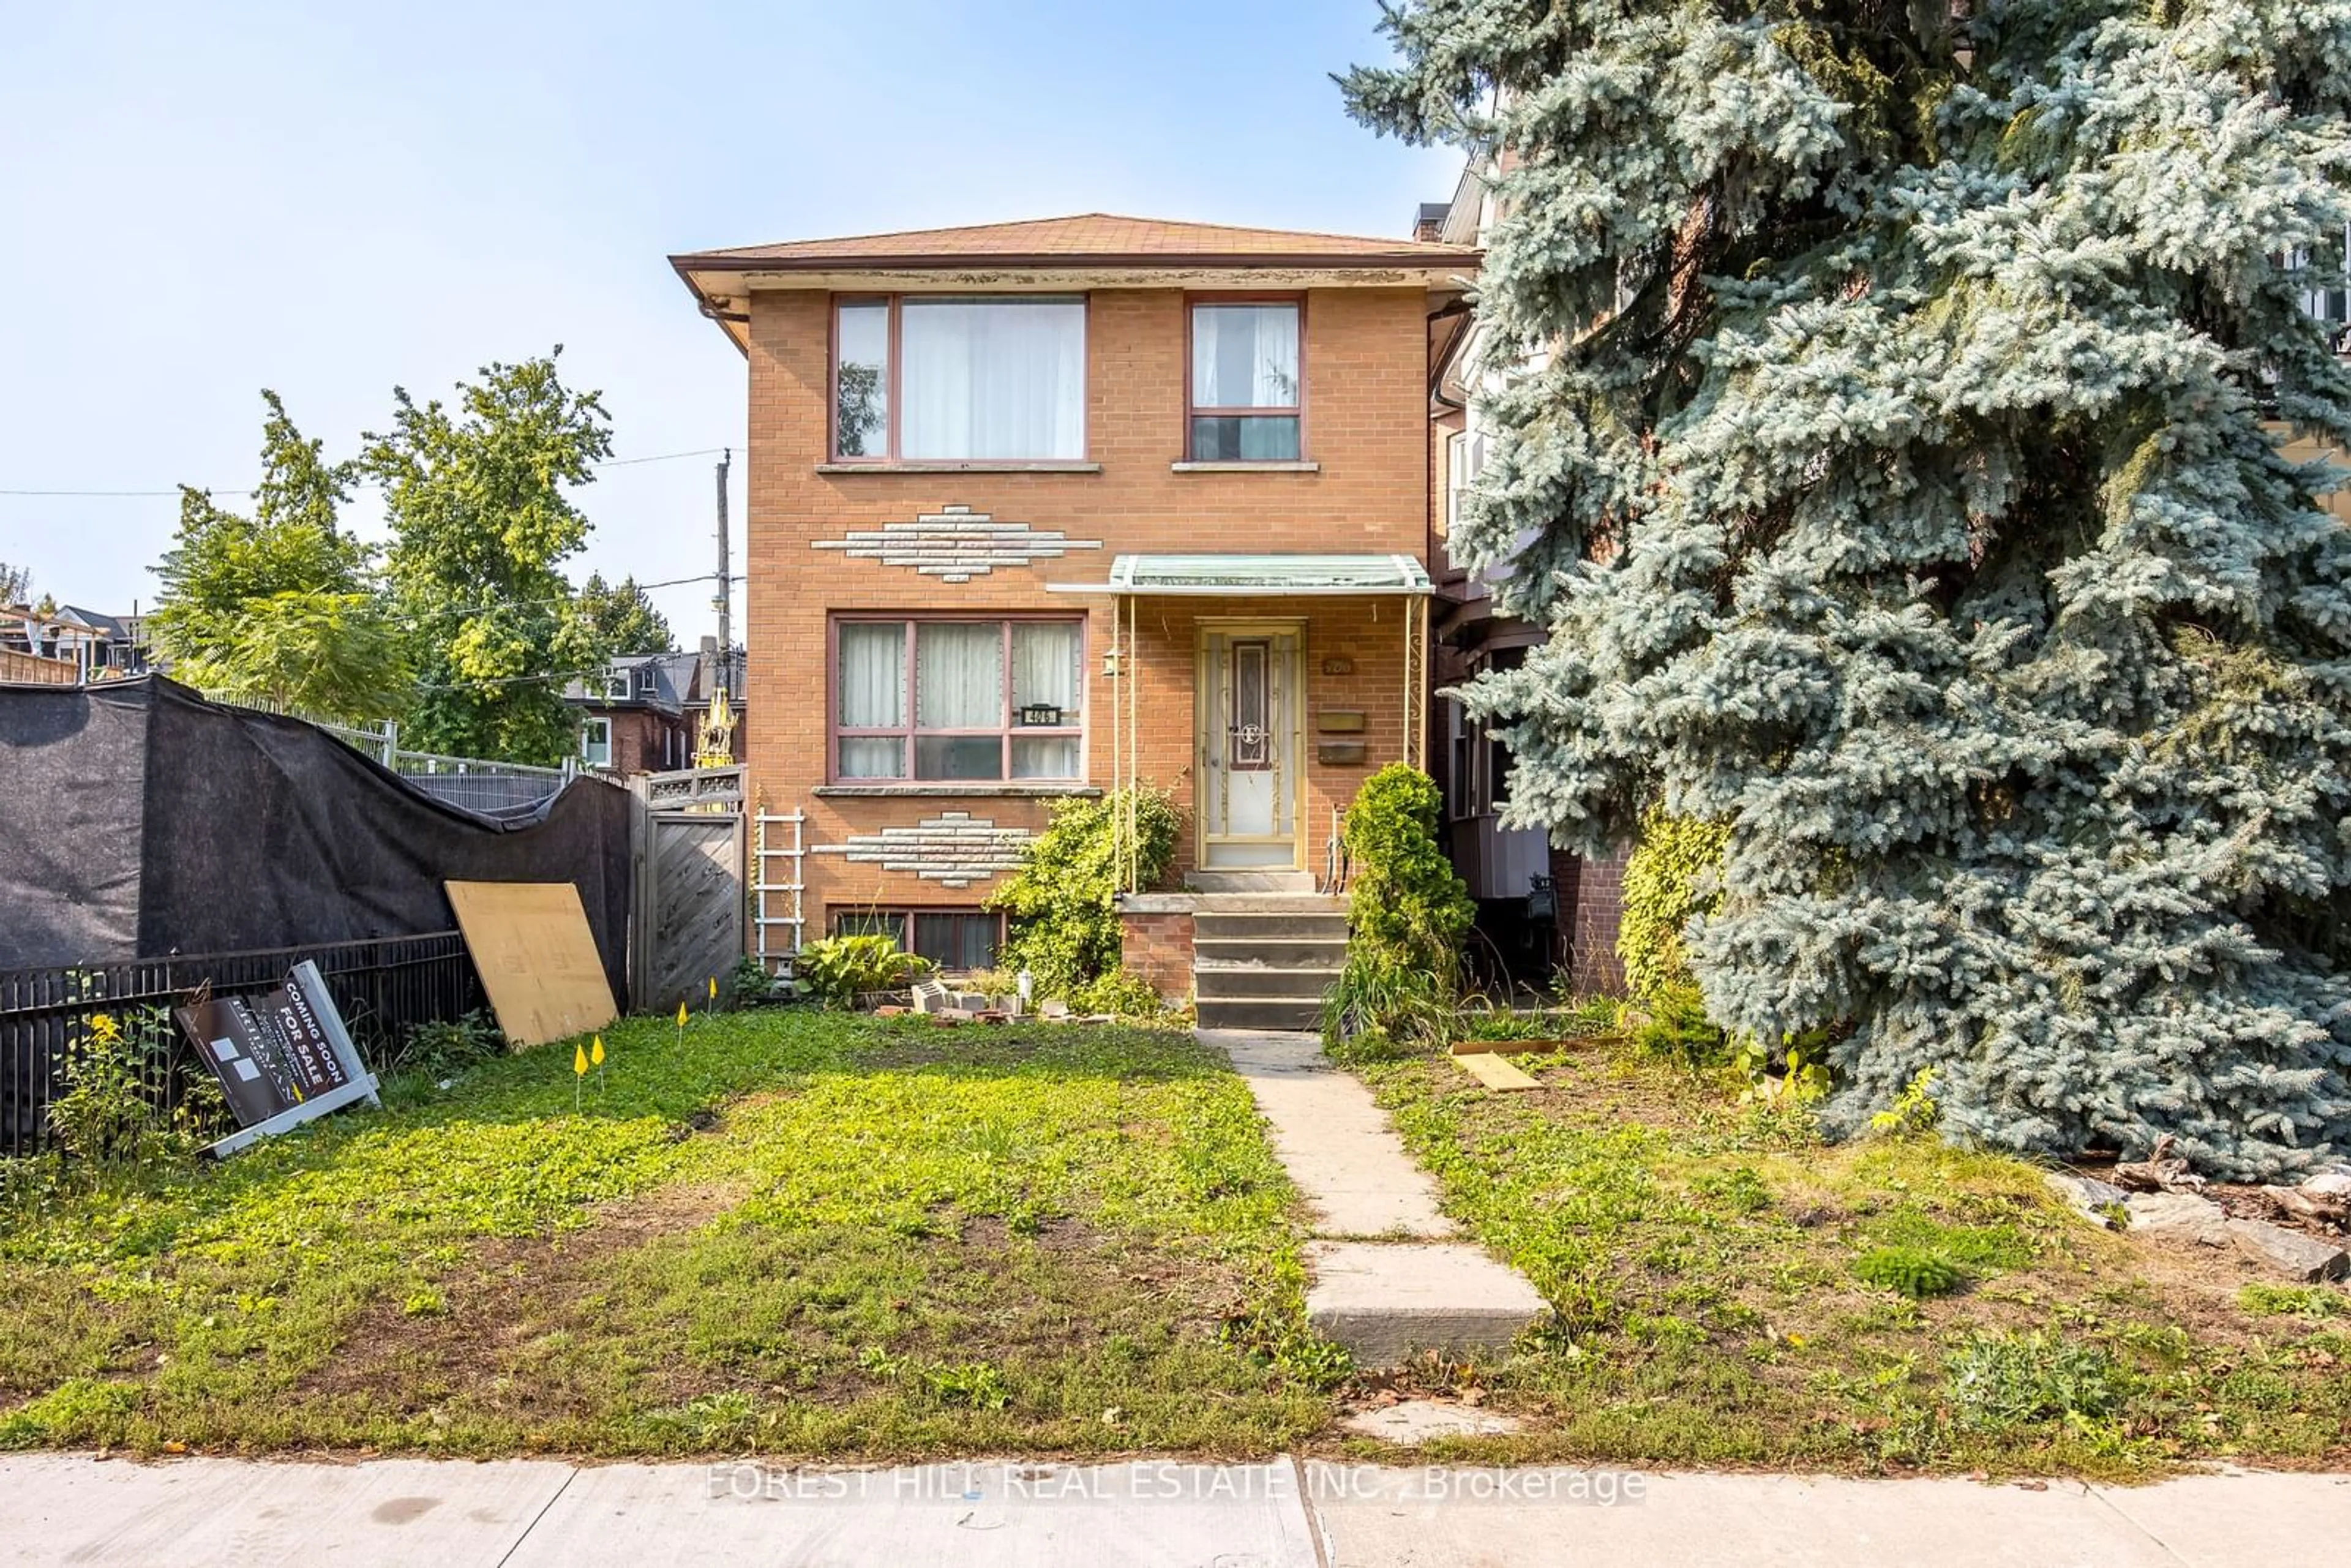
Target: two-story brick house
{"type": "Point", "coordinates": [1041, 509]}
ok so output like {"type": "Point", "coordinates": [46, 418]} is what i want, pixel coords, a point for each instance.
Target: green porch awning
{"type": "Point", "coordinates": [1257, 575]}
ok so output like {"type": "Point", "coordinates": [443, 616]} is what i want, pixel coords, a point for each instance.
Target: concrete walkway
{"type": "Point", "coordinates": [194, 1514]}
{"type": "Point", "coordinates": [1386, 1281]}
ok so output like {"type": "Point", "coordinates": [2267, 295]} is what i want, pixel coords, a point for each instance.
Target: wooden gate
{"type": "Point", "coordinates": [686, 926]}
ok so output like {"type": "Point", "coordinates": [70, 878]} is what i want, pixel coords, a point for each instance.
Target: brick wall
{"type": "Point", "coordinates": [1591, 904]}
{"type": "Point", "coordinates": [1364, 424]}
{"type": "Point", "coordinates": [1158, 948]}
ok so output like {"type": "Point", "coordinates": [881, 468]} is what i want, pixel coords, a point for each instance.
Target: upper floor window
{"type": "Point", "coordinates": [920, 379]}
{"type": "Point", "coordinates": [923, 698]}
{"type": "Point", "coordinates": [1245, 395]}
{"type": "Point", "coordinates": [1465, 459]}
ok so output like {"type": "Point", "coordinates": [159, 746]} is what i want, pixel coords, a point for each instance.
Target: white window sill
{"type": "Point", "coordinates": [947, 789]}
{"type": "Point", "coordinates": [1267, 467]}
{"type": "Point", "coordinates": [951, 466]}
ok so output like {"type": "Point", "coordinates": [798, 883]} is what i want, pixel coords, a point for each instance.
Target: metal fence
{"type": "Point", "coordinates": [384, 987]}
{"type": "Point", "coordinates": [484, 784]}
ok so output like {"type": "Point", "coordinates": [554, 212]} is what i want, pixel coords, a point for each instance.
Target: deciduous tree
{"type": "Point", "coordinates": [483, 520]}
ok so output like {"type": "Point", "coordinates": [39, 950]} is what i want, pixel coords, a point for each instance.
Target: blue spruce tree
{"type": "Point", "coordinates": [1893, 448]}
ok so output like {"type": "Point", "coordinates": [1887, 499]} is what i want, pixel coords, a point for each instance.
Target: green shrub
{"type": "Point", "coordinates": [840, 969]}
{"type": "Point", "coordinates": [751, 983]}
{"type": "Point", "coordinates": [2305, 1300]}
{"type": "Point", "coordinates": [1668, 881]}
{"type": "Point", "coordinates": [443, 1050]}
{"type": "Point", "coordinates": [1404, 902]}
{"type": "Point", "coordinates": [1913, 1271]}
{"type": "Point", "coordinates": [1406, 917]}
{"type": "Point", "coordinates": [1678, 1030]}
{"type": "Point", "coordinates": [110, 1114]}
{"type": "Point", "coordinates": [2002, 1381]}
{"type": "Point", "coordinates": [1064, 929]}
{"type": "Point", "coordinates": [1119, 993]}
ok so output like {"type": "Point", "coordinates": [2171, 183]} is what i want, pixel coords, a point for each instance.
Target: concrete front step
{"type": "Point", "coordinates": [1224, 980]}
{"type": "Point", "coordinates": [1274, 952]}
{"type": "Point", "coordinates": [1387, 1300]}
{"type": "Point", "coordinates": [1284, 1013]}
{"type": "Point", "coordinates": [1257, 926]}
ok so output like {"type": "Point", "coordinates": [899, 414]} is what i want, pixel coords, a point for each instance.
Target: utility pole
{"type": "Point", "coordinates": [724, 601]}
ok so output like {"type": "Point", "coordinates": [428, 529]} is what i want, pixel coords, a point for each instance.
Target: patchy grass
{"type": "Point", "coordinates": [793, 1233]}
{"type": "Point", "coordinates": [1728, 1292]}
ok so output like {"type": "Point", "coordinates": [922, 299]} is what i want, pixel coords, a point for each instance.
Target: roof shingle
{"type": "Point", "coordinates": [1086, 236]}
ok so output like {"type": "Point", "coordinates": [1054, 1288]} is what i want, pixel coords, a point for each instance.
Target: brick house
{"type": "Point", "coordinates": [1039, 510]}
{"type": "Point", "coordinates": [644, 714]}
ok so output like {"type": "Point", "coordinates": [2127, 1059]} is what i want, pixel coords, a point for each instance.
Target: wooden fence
{"type": "Point", "coordinates": [26, 669]}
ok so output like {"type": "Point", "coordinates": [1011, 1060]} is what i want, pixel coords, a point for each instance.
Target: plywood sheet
{"type": "Point", "coordinates": [1489, 1069]}
{"type": "Point", "coordinates": [1534, 1046]}
{"type": "Point", "coordinates": [537, 956]}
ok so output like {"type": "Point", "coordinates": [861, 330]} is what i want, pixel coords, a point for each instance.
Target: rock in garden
{"type": "Point", "coordinates": [2094, 1199]}
{"type": "Point", "coordinates": [2297, 1255]}
{"type": "Point", "coordinates": [2330, 1183]}
{"type": "Point", "coordinates": [2180, 1214]}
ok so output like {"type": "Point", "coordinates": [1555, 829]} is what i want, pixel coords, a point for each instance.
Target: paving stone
{"type": "Point", "coordinates": [1386, 1301]}
{"type": "Point", "coordinates": [1332, 1137]}
{"type": "Point", "coordinates": [2178, 1216]}
{"type": "Point", "coordinates": [2294, 1254]}
{"type": "Point", "coordinates": [1413, 1421]}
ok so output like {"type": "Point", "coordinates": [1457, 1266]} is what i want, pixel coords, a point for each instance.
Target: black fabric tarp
{"type": "Point", "coordinates": [138, 819]}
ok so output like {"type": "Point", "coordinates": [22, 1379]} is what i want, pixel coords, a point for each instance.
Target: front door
{"type": "Point", "coordinates": [1249, 747]}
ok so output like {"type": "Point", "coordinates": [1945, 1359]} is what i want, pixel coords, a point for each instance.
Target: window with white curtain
{"type": "Point", "coordinates": [1246, 394]}
{"type": "Point", "coordinates": [941, 699]}
{"type": "Point", "coordinates": [921, 379]}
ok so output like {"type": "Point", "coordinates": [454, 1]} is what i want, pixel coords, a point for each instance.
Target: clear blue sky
{"type": "Point", "coordinates": [200, 201]}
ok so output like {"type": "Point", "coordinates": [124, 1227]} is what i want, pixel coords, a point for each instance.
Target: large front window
{"type": "Point", "coordinates": [944, 379]}
{"type": "Point", "coordinates": [935, 700]}
{"type": "Point", "coordinates": [1244, 403]}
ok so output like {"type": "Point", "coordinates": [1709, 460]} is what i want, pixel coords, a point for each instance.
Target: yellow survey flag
{"type": "Point", "coordinates": [579, 1060]}
{"type": "Point", "coordinates": [714, 988]}
{"type": "Point", "coordinates": [597, 1055]}
{"type": "Point", "coordinates": [680, 1015]}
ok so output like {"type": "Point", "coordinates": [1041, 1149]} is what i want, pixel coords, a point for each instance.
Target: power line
{"type": "Point", "coordinates": [106, 495]}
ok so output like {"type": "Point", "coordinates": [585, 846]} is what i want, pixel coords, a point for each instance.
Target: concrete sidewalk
{"type": "Point", "coordinates": [1285, 1514]}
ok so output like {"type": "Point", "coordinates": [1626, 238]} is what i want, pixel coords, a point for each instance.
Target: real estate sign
{"type": "Point", "coordinates": [282, 1059]}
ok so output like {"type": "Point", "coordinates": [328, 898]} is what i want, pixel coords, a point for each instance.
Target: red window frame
{"type": "Point", "coordinates": [1194, 413]}
{"type": "Point", "coordinates": [908, 732]}
{"type": "Point", "coordinates": [893, 367]}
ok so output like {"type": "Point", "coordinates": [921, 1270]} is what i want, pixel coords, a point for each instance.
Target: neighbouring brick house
{"type": "Point", "coordinates": [644, 714]}
{"type": "Point", "coordinates": [1041, 509]}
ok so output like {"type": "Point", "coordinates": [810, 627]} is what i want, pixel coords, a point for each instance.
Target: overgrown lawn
{"type": "Point", "coordinates": [791, 1233]}
{"type": "Point", "coordinates": [1703, 1260]}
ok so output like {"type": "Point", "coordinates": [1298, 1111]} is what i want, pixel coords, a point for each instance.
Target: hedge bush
{"type": "Point", "coordinates": [1407, 914]}
{"type": "Point", "coordinates": [1064, 931]}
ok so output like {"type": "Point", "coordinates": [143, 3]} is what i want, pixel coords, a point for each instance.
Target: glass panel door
{"type": "Point", "coordinates": [1249, 747]}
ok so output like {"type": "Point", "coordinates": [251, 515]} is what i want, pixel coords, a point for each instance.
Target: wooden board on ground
{"type": "Point", "coordinates": [1494, 1072]}
{"type": "Point", "coordinates": [1531, 1046]}
{"type": "Point", "coordinates": [537, 957]}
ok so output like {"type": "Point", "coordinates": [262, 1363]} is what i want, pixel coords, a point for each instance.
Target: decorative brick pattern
{"type": "Point", "coordinates": [954, 849]}
{"type": "Point", "coordinates": [955, 544]}
{"type": "Point", "coordinates": [1158, 948]}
